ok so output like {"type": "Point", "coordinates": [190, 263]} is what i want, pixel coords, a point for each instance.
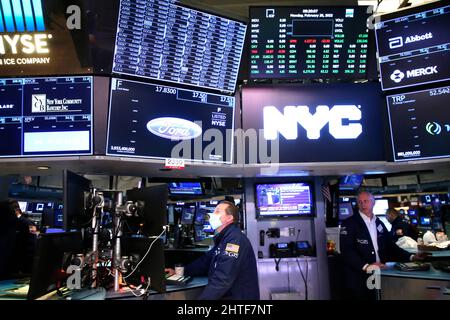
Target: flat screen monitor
{"type": "Point", "coordinates": [185, 188]}
{"type": "Point", "coordinates": [345, 210]}
{"type": "Point", "coordinates": [46, 116]}
{"type": "Point", "coordinates": [309, 42]}
{"type": "Point", "coordinates": [425, 221]}
{"type": "Point", "coordinates": [313, 123]}
{"type": "Point", "coordinates": [23, 206]}
{"type": "Point", "coordinates": [48, 37]}
{"type": "Point", "coordinates": [381, 205]}
{"type": "Point", "coordinates": [58, 216]}
{"type": "Point", "coordinates": [48, 272]}
{"type": "Point", "coordinates": [75, 187]}
{"type": "Point", "coordinates": [155, 203]}
{"type": "Point", "coordinates": [284, 200]}
{"type": "Point", "coordinates": [188, 215]}
{"type": "Point", "coordinates": [420, 124]}
{"type": "Point", "coordinates": [169, 42]}
{"type": "Point", "coordinates": [412, 212]}
{"type": "Point", "coordinates": [152, 266]}
{"type": "Point", "coordinates": [351, 182]}
{"type": "Point", "coordinates": [413, 45]}
{"type": "Point", "coordinates": [158, 122]}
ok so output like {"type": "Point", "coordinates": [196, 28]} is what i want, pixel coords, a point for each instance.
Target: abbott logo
{"type": "Point", "coordinates": [22, 15]}
{"type": "Point", "coordinates": [287, 124]}
{"type": "Point", "coordinates": [396, 42]}
{"type": "Point", "coordinates": [397, 76]}
{"type": "Point", "coordinates": [38, 103]}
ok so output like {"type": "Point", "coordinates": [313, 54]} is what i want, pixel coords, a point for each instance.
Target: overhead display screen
{"type": "Point", "coordinates": [420, 124]}
{"type": "Point", "coordinates": [413, 46]}
{"type": "Point", "coordinates": [161, 122]}
{"type": "Point", "coordinates": [313, 123]}
{"type": "Point", "coordinates": [308, 42]}
{"type": "Point", "coordinates": [45, 116]}
{"type": "Point", "coordinates": [48, 37]}
{"type": "Point", "coordinates": [160, 40]}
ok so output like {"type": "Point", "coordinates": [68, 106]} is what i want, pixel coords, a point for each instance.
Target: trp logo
{"type": "Point", "coordinates": [21, 16]}
{"type": "Point", "coordinates": [287, 124]}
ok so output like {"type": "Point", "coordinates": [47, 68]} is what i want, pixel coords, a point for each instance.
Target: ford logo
{"type": "Point", "coordinates": [174, 128]}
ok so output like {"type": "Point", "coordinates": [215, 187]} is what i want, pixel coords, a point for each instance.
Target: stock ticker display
{"type": "Point", "coordinates": [308, 42]}
{"type": "Point", "coordinates": [414, 47]}
{"type": "Point", "coordinates": [160, 122]}
{"type": "Point", "coordinates": [420, 124]}
{"type": "Point", "coordinates": [45, 116]}
{"type": "Point", "coordinates": [168, 42]}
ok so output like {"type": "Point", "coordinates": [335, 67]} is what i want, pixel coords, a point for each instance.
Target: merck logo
{"type": "Point", "coordinates": [21, 16]}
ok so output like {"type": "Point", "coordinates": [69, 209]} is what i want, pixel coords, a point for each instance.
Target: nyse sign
{"type": "Point", "coordinates": [287, 123]}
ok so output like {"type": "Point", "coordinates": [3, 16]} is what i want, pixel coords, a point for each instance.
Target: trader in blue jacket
{"type": "Point", "coordinates": [365, 245]}
{"type": "Point", "coordinates": [230, 264]}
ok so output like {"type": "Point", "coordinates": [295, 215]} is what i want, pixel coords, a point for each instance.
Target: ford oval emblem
{"type": "Point", "coordinates": [174, 128]}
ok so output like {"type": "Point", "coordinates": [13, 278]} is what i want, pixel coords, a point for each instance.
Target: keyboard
{"type": "Point", "coordinates": [412, 266]}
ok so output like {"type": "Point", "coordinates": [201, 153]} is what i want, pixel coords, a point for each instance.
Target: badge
{"type": "Point", "coordinates": [380, 228]}
{"type": "Point", "coordinates": [233, 248]}
{"type": "Point", "coordinates": [362, 241]}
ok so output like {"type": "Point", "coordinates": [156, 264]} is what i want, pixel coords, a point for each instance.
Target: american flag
{"type": "Point", "coordinates": [326, 192]}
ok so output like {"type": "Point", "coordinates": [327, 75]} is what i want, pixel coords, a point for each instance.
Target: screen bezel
{"type": "Point", "coordinates": [399, 14]}
{"type": "Point", "coordinates": [285, 216]}
{"type": "Point", "coordinates": [350, 79]}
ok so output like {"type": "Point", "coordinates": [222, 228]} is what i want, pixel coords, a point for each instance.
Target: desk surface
{"type": "Point", "coordinates": [431, 274]}
{"type": "Point", "coordinates": [434, 254]}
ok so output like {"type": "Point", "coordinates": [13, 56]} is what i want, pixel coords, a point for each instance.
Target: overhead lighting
{"type": "Point", "coordinates": [43, 168]}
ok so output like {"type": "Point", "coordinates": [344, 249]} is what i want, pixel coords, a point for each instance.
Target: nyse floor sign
{"type": "Point", "coordinates": [312, 123]}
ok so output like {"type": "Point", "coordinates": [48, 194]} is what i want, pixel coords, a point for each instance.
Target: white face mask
{"type": "Point", "coordinates": [214, 221]}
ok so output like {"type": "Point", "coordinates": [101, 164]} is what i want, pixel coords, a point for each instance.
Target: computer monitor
{"type": "Point", "coordinates": [23, 206]}
{"type": "Point", "coordinates": [351, 182]}
{"type": "Point", "coordinates": [284, 199]}
{"type": "Point", "coordinates": [381, 205]}
{"type": "Point", "coordinates": [48, 271]}
{"type": "Point", "coordinates": [75, 187]}
{"type": "Point", "coordinates": [345, 210]}
{"type": "Point", "coordinates": [188, 214]}
{"type": "Point", "coordinates": [152, 266]}
{"type": "Point", "coordinates": [155, 208]}
{"type": "Point", "coordinates": [185, 188]}
{"type": "Point", "coordinates": [425, 221]}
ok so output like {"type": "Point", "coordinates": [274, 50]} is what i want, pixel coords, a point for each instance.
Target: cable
{"type": "Point", "coordinates": [145, 255]}
{"type": "Point", "coordinates": [303, 276]}
{"type": "Point", "coordinates": [142, 292]}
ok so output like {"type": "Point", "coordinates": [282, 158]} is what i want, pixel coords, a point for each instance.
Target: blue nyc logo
{"type": "Point", "coordinates": [20, 15]}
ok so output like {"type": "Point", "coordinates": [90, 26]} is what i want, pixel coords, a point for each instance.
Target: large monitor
{"type": "Point", "coordinates": [314, 123]}
{"type": "Point", "coordinates": [185, 188]}
{"type": "Point", "coordinates": [75, 187]}
{"type": "Point", "coordinates": [48, 272]}
{"type": "Point", "coordinates": [155, 208]}
{"type": "Point", "coordinates": [170, 42]}
{"type": "Point", "coordinates": [351, 182]}
{"type": "Point", "coordinates": [158, 122]}
{"type": "Point", "coordinates": [284, 200]}
{"type": "Point", "coordinates": [413, 45]}
{"type": "Point", "coordinates": [380, 207]}
{"type": "Point", "coordinates": [420, 124]}
{"type": "Point", "coordinates": [309, 42]}
{"type": "Point", "coordinates": [46, 116]}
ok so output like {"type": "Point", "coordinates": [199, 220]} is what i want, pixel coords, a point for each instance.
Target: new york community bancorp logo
{"type": "Point", "coordinates": [174, 128]}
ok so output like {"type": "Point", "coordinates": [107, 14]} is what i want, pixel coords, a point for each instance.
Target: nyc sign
{"type": "Point", "coordinates": [287, 123]}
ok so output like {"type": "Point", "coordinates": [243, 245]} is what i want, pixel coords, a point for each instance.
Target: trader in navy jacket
{"type": "Point", "coordinates": [230, 264]}
{"type": "Point", "coordinates": [366, 244]}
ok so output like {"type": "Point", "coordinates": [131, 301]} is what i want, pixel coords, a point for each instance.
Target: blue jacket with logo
{"type": "Point", "coordinates": [230, 266]}
{"type": "Point", "coordinates": [357, 250]}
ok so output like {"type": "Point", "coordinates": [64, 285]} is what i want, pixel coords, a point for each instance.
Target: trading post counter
{"type": "Point", "coordinates": [18, 289]}
{"type": "Point", "coordinates": [432, 284]}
